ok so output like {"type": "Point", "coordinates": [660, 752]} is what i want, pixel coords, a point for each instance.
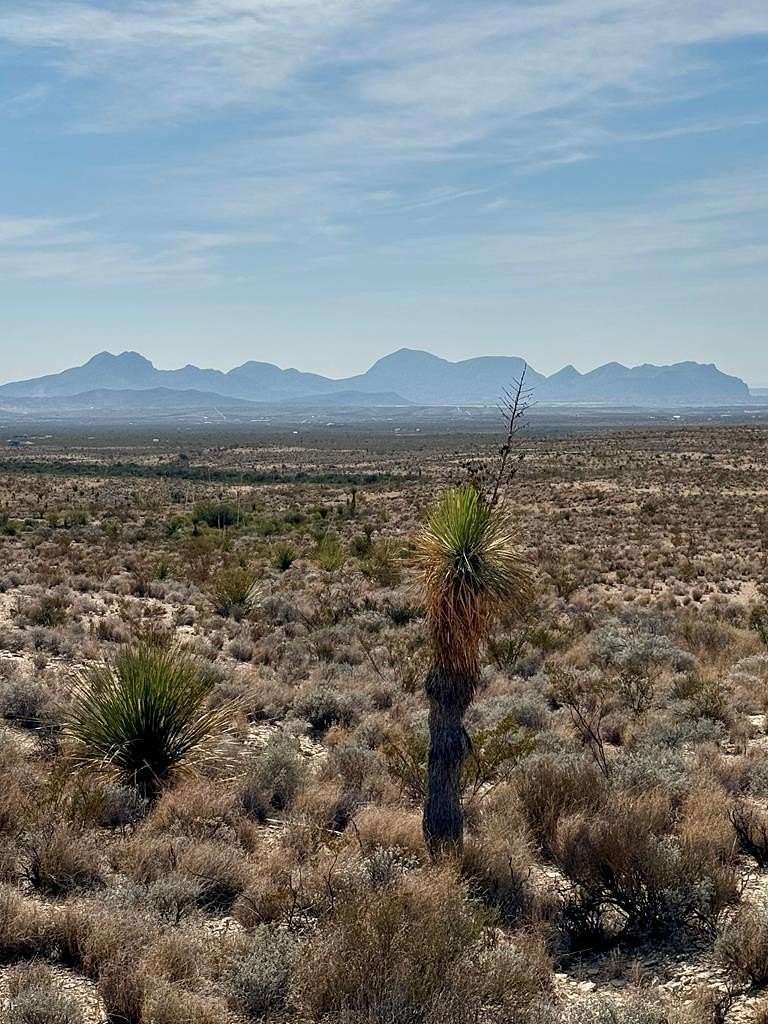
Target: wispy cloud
{"type": "Point", "coordinates": [403, 77]}
{"type": "Point", "coordinates": [49, 249]}
{"type": "Point", "coordinates": [715, 225]}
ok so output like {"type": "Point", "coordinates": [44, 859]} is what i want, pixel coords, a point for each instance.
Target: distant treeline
{"type": "Point", "coordinates": [199, 474]}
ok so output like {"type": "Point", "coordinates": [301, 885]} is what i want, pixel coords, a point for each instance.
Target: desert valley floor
{"type": "Point", "coordinates": [615, 869]}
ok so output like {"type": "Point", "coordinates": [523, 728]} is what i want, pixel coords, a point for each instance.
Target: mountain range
{"type": "Point", "coordinates": [404, 377]}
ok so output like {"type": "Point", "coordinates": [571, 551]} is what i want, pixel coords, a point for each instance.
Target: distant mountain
{"type": "Point", "coordinates": [132, 372]}
{"type": "Point", "coordinates": [405, 376]}
{"type": "Point", "coordinates": [429, 380]}
{"type": "Point", "coordinates": [614, 384]}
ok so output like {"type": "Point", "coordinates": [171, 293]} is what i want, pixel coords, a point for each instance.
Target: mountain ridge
{"type": "Point", "coordinates": [403, 376]}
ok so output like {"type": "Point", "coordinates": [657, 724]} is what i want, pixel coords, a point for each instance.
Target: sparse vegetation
{"type": "Point", "coordinates": [211, 807]}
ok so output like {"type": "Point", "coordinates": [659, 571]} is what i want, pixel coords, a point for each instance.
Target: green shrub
{"type": "Point", "coordinates": [382, 563]}
{"type": "Point", "coordinates": [329, 552]}
{"type": "Point", "coordinates": [217, 515]}
{"type": "Point", "coordinates": [234, 591]}
{"type": "Point", "coordinates": [758, 621]}
{"type": "Point", "coordinates": [283, 556]}
{"type": "Point", "coordinates": [143, 716]}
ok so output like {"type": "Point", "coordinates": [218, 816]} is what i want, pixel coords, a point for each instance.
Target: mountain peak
{"type": "Point", "coordinates": [125, 359]}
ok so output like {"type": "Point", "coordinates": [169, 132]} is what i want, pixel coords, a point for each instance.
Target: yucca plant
{"type": "Point", "coordinates": [235, 591]}
{"type": "Point", "coordinates": [470, 569]}
{"type": "Point", "coordinates": [143, 717]}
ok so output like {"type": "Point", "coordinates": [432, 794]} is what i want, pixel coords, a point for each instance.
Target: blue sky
{"type": "Point", "coordinates": [318, 182]}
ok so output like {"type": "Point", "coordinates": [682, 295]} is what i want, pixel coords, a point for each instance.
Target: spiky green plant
{"type": "Point", "coordinates": [235, 591]}
{"type": "Point", "coordinates": [283, 556]}
{"type": "Point", "coordinates": [329, 552]}
{"type": "Point", "coordinates": [143, 717]}
{"type": "Point", "coordinates": [470, 569]}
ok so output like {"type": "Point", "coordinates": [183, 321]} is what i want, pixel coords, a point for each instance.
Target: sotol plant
{"type": "Point", "coordinates": [143, 717]}
{"type": "Point", "coordinates": [470, 569]}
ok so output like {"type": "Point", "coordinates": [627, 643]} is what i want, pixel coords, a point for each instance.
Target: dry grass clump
{"type": "Point", "coordinates": [62, 860]}
{"type": "Point", "coordinates": [36, 998]}
{"type": "Point", "coordinates": [393, 954]}
{"type": "Point", "coordinates": [742, 944]}
{"type": "Point", "coordinates": [25, 930]}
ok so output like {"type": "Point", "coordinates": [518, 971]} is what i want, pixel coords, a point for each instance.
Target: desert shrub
{"type": "Point", "coordinates": [751, 825]}
{"type": "Point", "coordinates": [235, 590]}
{"type": "Point", "coordinates": [198, 808]}
{"type": "Point", "coordinates": [258, 980]}
{"type": "Point", "coordinates": [360, 769]}
{"type": "Point", "coordinates": [625, 858]}
{"type": "Point", "coordinates": [638, 649]}
{"type": "Point", "coordinates": [241, 650]}
{"type": "Point", "coordinates": [388, 955]}
{"type": "Point", "coordinates": [220, 872]}
{"type": "Point", "coordinates": [588, 696]}
{"type": "Point", "coordinates": [168, 1004]}
{"type": "Point", "coordinates": [742, 944]}
{"type": "Point", "coordinates": [276, 776]}
{"type": "Point", "coordinates": [639, 1008]}
{"type": "Point", "coordinates": [49, 611]}
{"type": "Point", "coordinates": [283, 556]}
{"type": "Point", "coordinates": [502, 982]}
{"type": "Point", "coordinates": [216, 515]}
{"type": "Point", "coordinates": [324, 705]}
{"type": "Point", "coordinates": [390, 827]}
{"type": "Point", "coordinates": [498, 862]}
{"type": "Point", "coordinates": [23, 700]}
{"type": "Point", "coordinates": [143, 716]}
{"type": "Point", "coordinates": [382, 563]}
{"type": "Point", "coordinates": [326, 805]}
{"type": "Point", "coordinates": [61, 861]}
{"type": "Point", "coordinates": [118, 805]}
{"type": "Point", "coordinates": [329, 552]}
{"type": "Point", "coordinates": [549, 787]}
{"type": "Point", "coordinates": [362, 542]}
{"type": "Point", "coordinates": [403, 614]}
{"type": "Point", "coordinates": [646, 768]}
{"type": "Point", "coordinates": [122, 989]}
{"type": "Point", "coordinates": [758, 621]}
{"type": "Point", "coordinates": [707, 696]}
{"type": "Point", "coordinates": [36, 998]}
{"type": "Point", "coordinates": [173, 897]}
{"type": "Point", "coordinates": [178, 956]}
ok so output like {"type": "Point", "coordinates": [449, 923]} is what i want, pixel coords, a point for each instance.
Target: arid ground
{"type": "Point", "coordinates": [616, 796]}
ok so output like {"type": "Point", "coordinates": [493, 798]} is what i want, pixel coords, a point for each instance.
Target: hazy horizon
{"type": "Point", "coordinates": [317, 184]}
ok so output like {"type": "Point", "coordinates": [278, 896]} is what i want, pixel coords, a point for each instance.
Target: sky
{"type": "Point", "coordinates": [316, 183]}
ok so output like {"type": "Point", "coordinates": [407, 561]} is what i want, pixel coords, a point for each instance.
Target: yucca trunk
{"type": "Point", "coordinates": [443, 821]}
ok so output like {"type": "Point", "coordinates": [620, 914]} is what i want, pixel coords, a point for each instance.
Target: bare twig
{"type": "Point", "coordinates": [514, 404]}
